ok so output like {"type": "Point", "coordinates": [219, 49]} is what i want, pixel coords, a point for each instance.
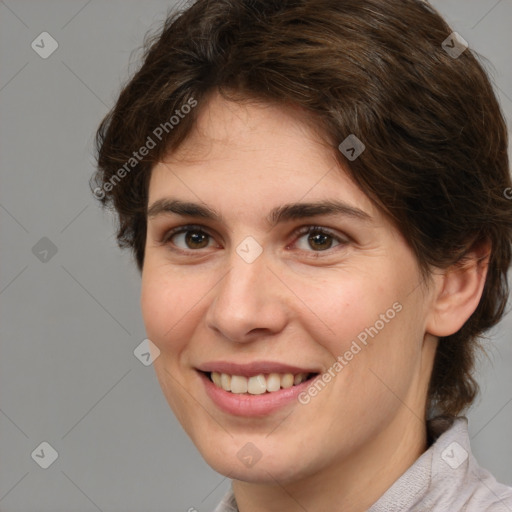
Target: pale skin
{"type": "Point", "coordinates": [294, 304]}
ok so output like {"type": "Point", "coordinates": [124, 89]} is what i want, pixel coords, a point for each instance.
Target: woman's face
{"type": "Point", "coordinates": [242, 289]}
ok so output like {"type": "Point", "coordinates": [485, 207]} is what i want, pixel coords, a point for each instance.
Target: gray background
{"type": "Point", "coordinates": [69, 325]}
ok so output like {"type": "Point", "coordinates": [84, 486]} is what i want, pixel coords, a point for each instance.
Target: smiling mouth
{"type": "Point", "coordinates": [257, 384]}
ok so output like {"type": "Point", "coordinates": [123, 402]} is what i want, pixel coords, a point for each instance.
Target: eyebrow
{"type": "Point", "coordinates": [283, 213]}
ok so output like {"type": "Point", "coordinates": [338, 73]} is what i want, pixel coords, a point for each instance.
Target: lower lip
{"type": "Point", "coordinates": [252, 405]}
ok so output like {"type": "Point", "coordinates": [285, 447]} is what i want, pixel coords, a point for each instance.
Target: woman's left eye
{"type": "Point", "coordinates": [318, 238]}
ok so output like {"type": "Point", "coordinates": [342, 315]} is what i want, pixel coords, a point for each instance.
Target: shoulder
{"type": "Point", "coordinates": [487, 495]}
{"type": "Point", "coordinates": [470, 487]}
{"type": "Point", "coordinates": [446, 477]}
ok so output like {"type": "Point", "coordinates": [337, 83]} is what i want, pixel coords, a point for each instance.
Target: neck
{"type": "Point", "coordinates": [352, 484]}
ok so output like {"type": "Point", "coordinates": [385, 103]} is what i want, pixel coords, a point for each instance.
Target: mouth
{"type": "Point", "coordinates": [257, 388]}
{"type": "Point", "coordinates": [256, 395]}
{"type": "Point", "coordinates": [258, 384]}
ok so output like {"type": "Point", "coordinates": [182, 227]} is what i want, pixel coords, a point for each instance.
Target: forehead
{"type": "Point", "coordinates": [246, 123]}
{"type": "Point", "coordinates": [253, 154]}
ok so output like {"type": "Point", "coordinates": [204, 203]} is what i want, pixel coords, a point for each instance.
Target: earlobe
{"type": "Point", "coordinates": [458, 290]}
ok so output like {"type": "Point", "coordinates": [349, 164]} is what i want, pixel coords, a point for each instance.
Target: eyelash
{"type": "Point", "coordinates": [304, 230]}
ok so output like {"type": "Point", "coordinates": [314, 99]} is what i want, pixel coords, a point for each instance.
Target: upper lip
{"type": "Point", "coordinates": [251, 369]}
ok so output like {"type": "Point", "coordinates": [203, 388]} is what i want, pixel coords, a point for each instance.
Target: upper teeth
{"type": "Point", "coordinates": [258, 384]}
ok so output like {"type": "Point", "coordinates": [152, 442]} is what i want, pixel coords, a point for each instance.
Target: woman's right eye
{"type": "Point", "coordinates": [187, 238]}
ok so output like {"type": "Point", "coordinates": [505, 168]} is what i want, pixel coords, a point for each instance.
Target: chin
{"type": "Point", "coordinates": [244, 461]}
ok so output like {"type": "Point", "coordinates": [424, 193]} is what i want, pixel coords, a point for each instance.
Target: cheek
{"type": "Point", "coordinates": [169, 306]}
{"type": "Point", "coordinates": [367, 324]}
{"type": "Point", "coordinates": [342, 308]}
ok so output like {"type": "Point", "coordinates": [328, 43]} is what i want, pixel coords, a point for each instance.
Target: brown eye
{"type": "Point", "coordinates": [196, 239]}
{"type": "Point", "coordinates": [320, 241]}
{"type": "Point", "coordinates": [317, 239]}
{"type": "Point", "coordinates": [188, 238]}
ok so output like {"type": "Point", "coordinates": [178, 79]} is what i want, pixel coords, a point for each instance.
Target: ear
{"type": "Point", "coordinates": [458, 290]}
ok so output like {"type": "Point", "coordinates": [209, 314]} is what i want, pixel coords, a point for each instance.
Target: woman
{"type": "Point", "coordinates": [314, 192]}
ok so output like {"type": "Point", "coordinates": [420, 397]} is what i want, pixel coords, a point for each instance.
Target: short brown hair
{"type": "Point", "coordinates": [436, 142]}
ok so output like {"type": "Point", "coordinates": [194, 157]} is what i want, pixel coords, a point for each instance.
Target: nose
{"type": "Point", "coordinates": [249, 302]}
